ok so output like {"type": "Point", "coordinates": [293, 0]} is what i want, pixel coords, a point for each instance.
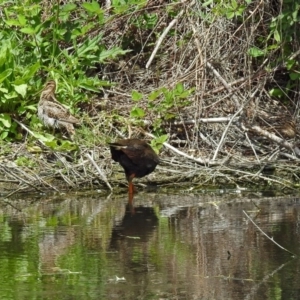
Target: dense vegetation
{"type": "Point", "coordinates": [216, 81]}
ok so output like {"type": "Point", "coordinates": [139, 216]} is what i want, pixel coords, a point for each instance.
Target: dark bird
{"type": "Point", "coordinates": [52, 113]}
{"type": "Point", "coordinates": [136, 157]}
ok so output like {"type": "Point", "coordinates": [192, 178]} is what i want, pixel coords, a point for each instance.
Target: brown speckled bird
{"type": "Point", "coordinates": [287, 128]}
{"type": "Point", "coordinates": [136, 157]}
{"type": "Point", "coordinates": [52, 113]}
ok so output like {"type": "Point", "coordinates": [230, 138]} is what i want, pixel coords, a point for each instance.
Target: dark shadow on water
{"type": "Point", "coordinates": [134, 225]}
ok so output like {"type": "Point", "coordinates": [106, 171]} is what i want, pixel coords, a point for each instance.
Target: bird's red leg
{"type": "Point", "coordinates": [130, 184]}
{"type": "Point", "coordinates": [130, 193]}
{"type": "Point", "coordinates": [130, 187]}
{"type": "Point", "coordinates": [130, 203]}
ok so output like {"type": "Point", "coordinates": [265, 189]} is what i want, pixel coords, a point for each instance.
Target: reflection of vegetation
{"type": "Point", "coordinates": [53, 248]}
{"type": "Point", "coordinates": [64, 250]}
{"type": "Point", "coordinates": [72, 247]}
{"type": "Point", "coordinates": [172, 245]}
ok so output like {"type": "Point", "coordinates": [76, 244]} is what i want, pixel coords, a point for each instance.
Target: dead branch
{"type": "Point", "coordinates": [271, 239]}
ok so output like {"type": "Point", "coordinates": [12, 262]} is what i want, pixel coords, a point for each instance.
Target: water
{"type": "Point", "coordinates": [86, 246]}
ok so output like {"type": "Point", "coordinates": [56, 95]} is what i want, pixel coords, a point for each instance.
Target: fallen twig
{"type": "Point", "coordinates": [271, 239]}
{"type": "Point", "coordinates": [99, 170]}
{"type": "Point", "coordinates": [271, 136]}
{"type": "Point", "coordinates": [197, 160]}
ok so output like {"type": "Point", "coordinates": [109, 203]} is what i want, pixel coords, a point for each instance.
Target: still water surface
{"type": "Point", "coordinates": [85, 246]}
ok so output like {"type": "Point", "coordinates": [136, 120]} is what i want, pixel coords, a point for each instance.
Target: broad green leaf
{"type": "Point", "coordinates": [21, 89]}
{"type": "Point", "coordinates": [4, 134]}
{"type": "Point", "coordinates": [294, 76]}
{"type": "Point", "coordinates": [255, 52]}
{"type": "Point", "coordinates": [69, 7]}
{"type": "Point", "coordinates": [28, 30]}
{"type": "Point", "coordinates": [22, 20]}
{"type": "Point", "coordinates": [136, 96]}
{"type": "Point", "coordinates": [179, 88]}
{"type": "Point", "coordinates": [161, 139]}
{"type": "Point", "coordinates": [62, 146]}
{"type": "Point", "coordinates": [234, 4]}
{"type": "Point", "coordinates": [51, 144]}
{"type": "Point", "coordinates": [157, 143]}
{"type": "Point", "coordinates": [137, 112]}
{"type": "Point", "coordinates": [31, 108]}
{"type": "Point", "coordinates": [5, 120]}
{"type": "Point", "coordinates": [11, 95]}
{"type": "Point", "coordinates": [12, 22]}
{"type": "Point", "coordinates": [75, 33]}
{"type": "Point", "coordinates": [31, 71]}
{"type": "Point", "coordinates": [230, 15]}
{"type": "Point", "coordinates": [43, 138]}
{"type": "Point", "coordinates": [295, 14]}
{"type": "Point", "coordinates": [153, 95]}
{"type": "Point", "coordinates": [207, 3]}
{"type": "Point", "coordinates": [93, 7]}
{"type": "Point", "coordinates": [276, 93]}
{"type": "Point", "coordinates": [5, 74]}
{"type": "Point", "coordinates": [277, 36]}
{"type": "Point", "coordinates": [290, 63]}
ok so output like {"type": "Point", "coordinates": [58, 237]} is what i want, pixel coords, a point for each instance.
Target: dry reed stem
{"type": "Point", "coordinates": [227, 132]}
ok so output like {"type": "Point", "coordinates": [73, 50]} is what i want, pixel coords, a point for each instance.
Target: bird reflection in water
{"type": "Point", "coordinates": [131, 246]}
{"type": "Point", "coordinates": [137, 226]}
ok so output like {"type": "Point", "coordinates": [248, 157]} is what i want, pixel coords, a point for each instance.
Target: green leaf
{"type": "Point", "coordinates": [28, 30]}
{"type": "Point", "coordinates": [5, 120]}
{"type": "Point", "coordinates": [277, 36]}
{"type": "Point", "coordinates": [161, 139]}
{"type": "Point", "coordinates": [290, 63]}
{"type": "Point", "coordinates": [89, 45]}
{"type": "Point", "coordinates": [157, 143]}
{"type": "Point", "coordinates": [44, 138]}
{"type": "Point", "coordinates": [93, 7]}
{"type": "Point", "coordinates": [4, 135]}
{"type": "Point", "coordinates": [137, 112]}
{"type": "Point", "coordinates": [32, 108]}
{"type": "Point", "coordinates": [179, 88]}
{"type": "Point", "coordinates": [207, 3]}
{"type": "Point", "coordinates": [136, 96]}
{"type": "Point", "coordinates": [21, 89]}
{"type": "Point", "coordinates": [153, 95]}
{"type": "Point", "coordinates": [12, 22]}
{"type": "Point", "coordinates": [234, 4]}
{"type": "Point", "coordinates": [276, 93]}
{"type": "Point", "coordinates": [69, 7]}
{"type": "Point", "coordinates": [61, 146]}
{"type": "Point", "coordinates": [294, 76]}
{"type": "Point", "coordinates": [4, 90]}
{"type": "Point", "coordinates": [111, 53]}
{"type": "Point", "coordinates": [31, 71]}
{"type": "Point", "coordinates": [230, 15]}
{"type": "Point", "coordinates": [5, 74]}
{"type": "Point", "coordinates": [22, 20]}
{"type": "Point", "coordinates": [255, 52]}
